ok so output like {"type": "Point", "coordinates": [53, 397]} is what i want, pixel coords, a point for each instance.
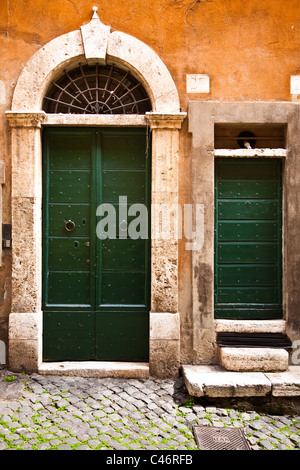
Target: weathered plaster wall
{"type": "Point", "coordinates": [249, 49]}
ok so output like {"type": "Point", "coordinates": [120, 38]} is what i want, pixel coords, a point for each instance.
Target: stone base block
{"type": "Point", "coordinates": [216, 382]}
{"type": "Point", "coordinates": [164, 345]}
{"type": "Point", "coordinates": [25, 341]}
{"type": "Point", "coordinates": [164, 358]}
{"type": "Point", "coordinates": [24, 355]}
{"type": "Point", "coordinates": [254, 359]}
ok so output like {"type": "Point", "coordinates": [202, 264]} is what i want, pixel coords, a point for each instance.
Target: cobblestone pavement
{"type": "Point", "coordinates": [69, 413]}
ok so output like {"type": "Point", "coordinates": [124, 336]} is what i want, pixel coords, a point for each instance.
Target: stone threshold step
{"type": "Point", "coordinates": [215, 381]}
{"type": "Point", "coordinates": [96, 369]}
{"type": "Point", "coordinates": [243, 359]}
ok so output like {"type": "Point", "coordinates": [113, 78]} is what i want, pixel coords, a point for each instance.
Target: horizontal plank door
{"type": "Point", "coordinates": [248, 239]}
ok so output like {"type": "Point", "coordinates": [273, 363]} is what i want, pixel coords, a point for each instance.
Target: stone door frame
{"type": "Point", "coordinates": [203, 116]}
{"type": "Point", "coordinates": [92, 42]}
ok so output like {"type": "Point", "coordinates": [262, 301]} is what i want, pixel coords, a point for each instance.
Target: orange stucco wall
{"type": "Point", "coordinates": [249, 49]}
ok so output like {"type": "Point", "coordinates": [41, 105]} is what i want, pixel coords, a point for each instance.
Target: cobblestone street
{"type": "Point", "coordinates": [68, 413]}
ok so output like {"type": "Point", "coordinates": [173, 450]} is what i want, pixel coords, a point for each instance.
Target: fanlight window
{"type": "Point", "coordinates": [97, 89]}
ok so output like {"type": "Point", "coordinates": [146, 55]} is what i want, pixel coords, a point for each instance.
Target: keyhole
{"type": "Point", "coordinates": [76, 244]}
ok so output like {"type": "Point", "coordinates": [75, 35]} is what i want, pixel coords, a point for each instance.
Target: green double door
{"type": "Point", "coordinates": [96, 274]}
{"type": "Point", "coordinates": [248, 239]}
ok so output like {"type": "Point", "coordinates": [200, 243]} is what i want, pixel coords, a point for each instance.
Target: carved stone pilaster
{"type": "Point", "coordinates": [165, 121]}
{"type": "Point", "coordinates": [164, 316]}
{"type": "Point", "coordinates": [25, 336]}
{"type": "Point", "coordinates": [29, 119]}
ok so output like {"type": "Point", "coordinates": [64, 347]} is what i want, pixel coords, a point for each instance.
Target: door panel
{"type": "Point", "coordinates": [70, 150]}
{"type": "Point", "coordinates": [69, 254]}
{"type": "Point", "coordinates": [245, 230]}
{"type": "Point", "coordinates": [122, 288]}
{"type": "Point", "coordinates": [120, 335]}
{"type": "Point", "coordinates": [69, 186]}
{"type": "Point", "coordinates": [123, 254]}
{"type": "Point", "coordinates": [94, 290]}
{"type": "Point", "coordinates": [248, 219]}
{"type": "Point", "coordinates": [257, 189]}
{"type": "Point", "coordinates": [118, 183]}
{"type": "Point", "coordinates": [67, 288]}
{"type": "Point", "coordinates": [68, 336]}
{"type": "Point", "coordinates": [247, 253]}
{"type": "Point", "coordinates": [248, 275]}
{"type": "Point", "coordinates": [59, 213]}
{"type": "Point", "coordinates": [247, 210]}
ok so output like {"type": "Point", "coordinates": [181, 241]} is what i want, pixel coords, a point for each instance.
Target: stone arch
{"type": "Point", "coordinates": [92, 43]}
{"type": "Point", "coordinates": [95, 42]}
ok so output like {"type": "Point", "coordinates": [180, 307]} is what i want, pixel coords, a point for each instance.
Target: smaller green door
{"type": "Point", "coordinates": [248, 239]}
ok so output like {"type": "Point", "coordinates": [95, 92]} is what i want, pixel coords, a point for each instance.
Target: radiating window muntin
{"type": "Point", "coordinates": [97, 89]}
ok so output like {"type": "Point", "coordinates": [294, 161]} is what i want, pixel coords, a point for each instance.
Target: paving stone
{"type": "Point", "coordinates": [218, 424]}
{"type": "Point", "coordinates": [203, 422]}
{"type": "Point", "coordinates": [180, 438]}
{"type": "Point", "coordinates": [270, 427]}
{"type": "Point", "coordinates": [237, 424]}
{"type": "Point", "coordinates": [259, 435]}
{"type": "Point", "coordinates": [93, 432]}
{"type": "Point", "coordinates": [55, 442]}
{"type": "Point", "coordinates": [72, 441]}
{"type": "Point", "coordinates": [134, 446]}
{"type": "Point", "coordinates": [252, 440]}
{"type": "Point", "coordinates": [62, 403]}
{"type": "Point", "coordinates": [211, 409]}
{"type": "Point", "coordinates": [266, 445]}
{"type": "Point", "coordinates": [222, 412]}
{"type": "Point", "coordinates": [43, 446]}
{"type": "Point", "coordinates": [64, 447]}
{"type": "Point", "coordinates": [282, 447]}
{"type": "Point", "coordinates": [278, 435]}
{"type": "Point", "coordinates": [6, 419]}
{"type": "Point", "coordinates": [190, 417]}
{"type": "Point", "coordinates": [288, 443]}
{"type": "Point", "coordinates": [106, 414]}
{"type": "Point", "coordinates": [94, 442]}
{"type": "Point", "coordinates": [256, 425]}
{"type": "Point", "coordinates": [294, 438]}
{"type": "Point", "coordinates": [184, 409]}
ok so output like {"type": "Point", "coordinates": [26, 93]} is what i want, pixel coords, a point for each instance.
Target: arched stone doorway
{"type": "Point", "coordinates": [93, 43]}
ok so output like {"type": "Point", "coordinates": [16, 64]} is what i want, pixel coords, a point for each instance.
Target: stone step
{"type": "Point", "coordinates": [243, 359]}
{"type": "Point", "coordinates": [96, 369]}
{"type": "Point", "coordinates": [217, 382]}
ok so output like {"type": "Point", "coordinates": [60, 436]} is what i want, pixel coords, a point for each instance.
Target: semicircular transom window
{"type": "Point", "coordinates": [97, 89]}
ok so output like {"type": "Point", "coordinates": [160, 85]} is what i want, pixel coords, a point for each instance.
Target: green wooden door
{"type": "Point", "coordinates": [248, 239]}
{"type": "Point", "coordinates": [95, 289]}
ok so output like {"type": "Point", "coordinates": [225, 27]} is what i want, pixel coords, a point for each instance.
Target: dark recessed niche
{"type": "Point", "coordinates": [236, 136]}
